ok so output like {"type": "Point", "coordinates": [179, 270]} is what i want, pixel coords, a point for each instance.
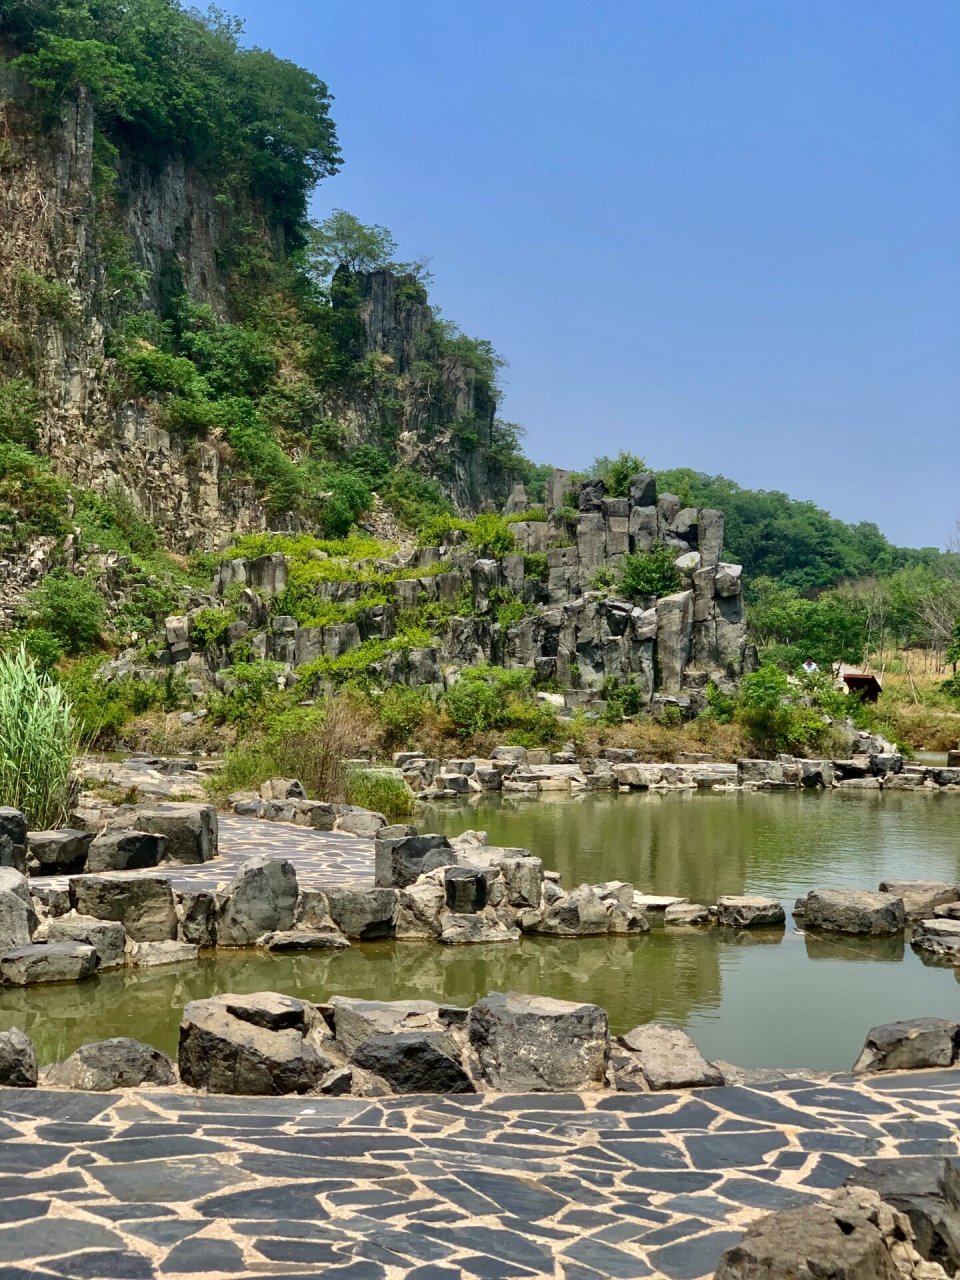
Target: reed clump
{"type": "Point", "coordinates": [38, 742]}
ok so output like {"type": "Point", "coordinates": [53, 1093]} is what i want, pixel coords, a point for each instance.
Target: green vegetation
{"type": "Point", "coordinates": [649, 573]}
{"type": "Point", "coordinates": [795, 543]}
{"type": "Point", "coordinates": [488, 535]}
{"type": "Point", "coordinates": [70, 609]}
{"type": "Point", "coordinates": [380, 791]}
{"type": "Point", "coordinates": [19, 412]}
{"type": "Point", "coordinates": [780, 714]}
{"type": "Point", "coordinates": [32, 499]}
{"type": "Point", "coordinates": [38, 740]}
{"type": "Point", "coordinates": [103, 709]}
{"type": "Point", "coordinates": [486, 698]}
{"type": "Point", "coordinates": [616, 473]}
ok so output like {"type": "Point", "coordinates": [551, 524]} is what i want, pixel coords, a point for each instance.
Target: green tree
{"type": "Point", "coordinates": [70, 609]}
{"type": "Point", "coordinates": [616, 473]}
{"type": "Point", "coordinates": [341, 240]}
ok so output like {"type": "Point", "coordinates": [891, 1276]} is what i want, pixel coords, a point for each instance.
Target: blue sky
{"type": "Point", "coordinates": [722, 234]}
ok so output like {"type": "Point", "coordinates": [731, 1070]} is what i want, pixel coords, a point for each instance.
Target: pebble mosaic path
{"type": "Point", "coordinates": [155, 1184]}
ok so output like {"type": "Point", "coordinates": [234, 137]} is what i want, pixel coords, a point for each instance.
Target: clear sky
{"type": "Point", "coordinates": [722, 234]}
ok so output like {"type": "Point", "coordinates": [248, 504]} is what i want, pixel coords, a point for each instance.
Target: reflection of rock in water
{"type": "Point", "coordinates": [751, 937]}
{"type": "Point", "coordinates": [883, 950]}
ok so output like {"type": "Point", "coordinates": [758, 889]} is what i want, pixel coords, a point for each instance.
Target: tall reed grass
{"type": "Point", "coordinates": [38, 742]}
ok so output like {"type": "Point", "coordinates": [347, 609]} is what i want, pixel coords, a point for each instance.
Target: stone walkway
{"type": "Point", "coordinates": [322, 858]}
{"type": "Point", "coordinates": [163, 1184]}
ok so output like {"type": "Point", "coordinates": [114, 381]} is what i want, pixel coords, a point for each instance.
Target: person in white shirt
{"type": "Point", "coordinates": [810, 667]}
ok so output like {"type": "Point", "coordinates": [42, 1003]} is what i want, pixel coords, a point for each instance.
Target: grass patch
{"type": "Point", "coordinates": [38, 742]}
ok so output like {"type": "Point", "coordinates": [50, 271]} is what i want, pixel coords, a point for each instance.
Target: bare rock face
{"type": "Point", "coordinates": [107, 937]}
{"type": "Point", "coordinates": [400, 860]}
{"type": "Point", "coordinates": [261, 898]}
{"type": "Point", "coordinates": [357, 1020]}
{"type": "Point", "coordinates": [125, 851]}
{"type": "Point", "coordinates": [17, 920]}
{"type": "Point", "coordinates": [144, 905]}
{"type": "Point", "coordinates": [415, 1062]}
{"type": "Point", "coordinates": [189, 830]}
{"type": "Point", "coordinates": [927, 1190]}
{"type": "Point", "coordinates": [48, 962]}
{"type": "Point", "coordinates": [18, 1060]}
{"type": "Point", "coordinates": [56, 852]}
{"type": "Point", "coordinates": [536, 1044]}
{"type": "Point", "coordinates": [365, 914]}
{"type": "Point", "coordinates": [749, 912]}
{"type": "Point", "coordinates": [907, 1046]}
{"type": "Point", "coordinates": [851, 1236]}
{"type": "Point", "coordinates": [666, 1058]}
{"type": "Point", "coordinates": [120, 1063]}
{"type": "Point", "coordinates": [259, 1044]}
{"type": "Point", "coordinates": [13, 839]}
{"type": "Point", "coordinates": [853, 911]}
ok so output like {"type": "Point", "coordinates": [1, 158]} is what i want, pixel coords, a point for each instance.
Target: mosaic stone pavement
{"type": "Point", "coordinates": [155, 1184]}
{"type": "Point", "coordinates": [320, 857]}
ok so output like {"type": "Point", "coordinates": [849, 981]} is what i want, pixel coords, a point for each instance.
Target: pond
{"type": "Point", "coordinates": [771, 998]}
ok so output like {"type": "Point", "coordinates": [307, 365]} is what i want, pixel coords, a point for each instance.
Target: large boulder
{"type": "Point", "coordinates": [523, 877]}
{"type": "Point", "coordinates": [927, 1190]}
{"type": "Point", "coordinates": [537, 1044]}
{"type": "Point", "coordinates": [125, 851]}
{"type": "Point", "coordinates": [107, 937]}
{"type": "Point", "coordinates": [13, 839]}
{"type": "Point", "coordinates": [363, 913]}
{"type": "Point", "coordinates": [663, 1058]}
{"type": "Point", "coordinates": [476, 927]}
{"type": "Point", "coordinates": [151, 955]}
{"type": "Point", "coordinates": [356, 1020]}
{"type": "Point", "coordinates": [906, 1046]}
{"type": "Point", "coordinates": [120, 1063]}
{"type": "Point", "coordinates": [190, 830]}
{"type": "Point", "coordinates": [465, 889]}
{"type": "Point", "coordinates": [259, 1044]}
{"type": "Point", "coordinates": [400, 860]}
{"type": "Point", "coordinates": [938, 939]}
{"type": "Point", "coordinates": [48, 962]}
{"type": "Point", "coordinates": [853, 911]}
{"type": "Point", "coordinates": [18, 1060]}
{"type": "Point", "coordinates": [579, 913]}
{"type": "Point", "coordinates": [852, 1235]}
{"type": "Point", "coordinates": [197, 916]}
{"type": "Point", "coordinates": [921, 897]}
{"type": "Point", "coordinates": [57, 852]}
{"type": "Point", "coordinates": [419, 908]}
{"type": "Point", "coordinates": [356, 821]}
{"type": "Point", "coordinates": [144, 905]}
{"type": "Point", "coordinates": [749, 912]}
{"type": "Point", "coordinates": [261, 898]}
{"type": "Point", "coordinates": [415, 1062]}
{"type": "Point", "coordinates": [18, 920]}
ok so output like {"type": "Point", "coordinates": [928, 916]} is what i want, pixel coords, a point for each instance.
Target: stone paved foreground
{"type": "Point", "coordinates": [164, 1184]}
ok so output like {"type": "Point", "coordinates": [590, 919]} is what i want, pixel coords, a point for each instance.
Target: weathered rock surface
{"type": "Point", "coordinates": [921, 897]}
{"type": "Point", "coordinates": [853, 911]}
{"type": "Point", "coordinates": [57, 852]}
{"type": "Point", "coordinates": [537, 1044]}
{"type": "Point", "coordinates": [927, 1190]}
{"type": "Point", "coordinates": [13, 839]}
{"type": "Point", "coordinates": [189, 830]}
{"type": "Point", "coordinates": [17, 919]}
{"type": "Point", "coordinates": [686, 913]}
{"type": "Point", "coordinates": [144, 905]}
{"type": "Point", "coordinates": [263, 1044]}
{"type": "Point", "coordinates": [261, 898]}
{"type": "Point", "coordinates": [48, 962]}
{"type": "Point", "coordinates": [905, 1046]}
{"type": "Point", "coordinates": [366, 914]}
{"type": "Point", "coordinates": [356, 1020]}
{"type": "Point", "coordinates": [18, 1060]}
{"type": "Point", "coordinates": [150, 955]}
{"type": "Point", "coordinates": [938, 938]}
{"type": "Point", "coordinates": [401, 860]}
{"type": "Point", "coordinates": [125, 851]}
{"type": "Point", "coordinates": [667, 1058]}
{"type": "Point", "coordinates": [304, 940]}
{"type": "Point", "coordinates": [120, 1063]}
{"type": "Point", "coordinates": [415, 1062]}
{"type": "Point", "coordinates": [853, 1235]}
{"type": "Point", "coordinates": [197, 916]}
{"type": "Point", "coordinates": [749, 912]}
{"type": "Point", "coordinates": [107, 937]}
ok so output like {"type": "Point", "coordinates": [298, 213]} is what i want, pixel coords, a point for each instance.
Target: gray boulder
{"type": "Point", "coordinates": [465, 889]}
{"type": "Point", "coordinates": [359, 822]}
{"type": "Point", "coordinates": [262, 1044]}
{"type": "Point", "coordinates": [13, 839]}
{"type": "Point", "coordinates": [120, 1063]}
{"type": "Point", "coordinates": [363, 913]}
{"type": "Point", "coordinates": [107, 937]}
{"type": "Point", "coordinates": [261, 898]}
{"type": "Point", "coordinates": [144, 905]}
{"type": "Point", "coordinates": [906, 1046]}
{"type": "Point", "coordinates": [357, 1020]}
{"type": "Point", "coordinates": [686, 913]}
{"type": "Point", "coordinates": [851, 1236]}
{"type": "Point", "coordinates": [282, 789]}
{"type": "Point", "coordinates": [921, 897]}
{"type": "Point", "coordinates": [57, 852]}
{"type": "Point", "coordinates": [48, 962]}
{"type": "Point", "coordinates": [578, 914]}
{"type": "Point", "coordinates": [415, 1062]}
{"type": "Point", "coordinates": [18, 920]}
{"type": "Point", "coordinates": [197, 916]}
{"type": "Point", "coordinates": [927, 1190]}
{"type": "Point", "coordinates": [18, 1060]}
{"type": "Point", "coordinates": [537, 1044]}
{"type": "Point", "coordinates": [125, 851]}
{"type": "Point", "coordinates": [190, 830]}
{"type": "Point", "coordinates": [419, 908]}
{"type": "Point", "coordinates": [938, 938]}
{"type": "Point", "coordinates": [523, 877]}
{"type": "Point", "coordinates": [667, 1058]}
{"type": "Point", "coordinates": [151, 955]}
{"type": "Point", "coordinates": [400, 860]}
{"type": "Point", "coordinates": [749, 912]}
{"type": "Point", "coordinates": [304, 940]}
{"type": "Point", "coordinates": [475, 927]}
{"type": "Point", "coordinates": [853, 911]}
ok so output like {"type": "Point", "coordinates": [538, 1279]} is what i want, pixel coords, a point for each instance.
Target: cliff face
{"type": "Point", "coordinates": [58, 293]}
{"type": "Point", "coordinates": [49, 232]}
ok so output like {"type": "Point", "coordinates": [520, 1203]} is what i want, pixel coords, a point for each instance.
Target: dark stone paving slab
{"type": "Point", "coordinates": [155, 1184]}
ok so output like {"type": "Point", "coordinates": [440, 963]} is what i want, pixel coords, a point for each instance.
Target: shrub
{"type": "Point", "coordinates": [30, 494]}
{"type": "Point", "coordinates": [70, 609]}
{"type": "Point", "coordinates": [535, 566]}
{"type": "Point", "coordinates": [413, 498]}
{"type": "Point", "coordinates": [486, 697]}
{"type": "Point", "coordinates": [47, 299]}
{"type": "Point", "coordinates": [209, 627]}
{"type": "Point", "coordinates": [103, 708]}
{"type": "Point", "coordinates": [38, 740]}
{"type": "Point", "coordinates": [649, 573]}
{"type": "Point", "coordinates": [248, 687]}
{"type": "Point", "coordinates": [616, 473]}
{"type": "Point", "coordinates": [771, 710]}
{"type": "Point", "coordinates": [19, 412]}
{"type": "Point", "coordinates": [381, 791]}
{"type": "Point", "coordinates": [401, 711]}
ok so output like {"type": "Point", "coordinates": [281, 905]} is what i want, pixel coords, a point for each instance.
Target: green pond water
{"type": "Point", "coordinates": [758, 999]}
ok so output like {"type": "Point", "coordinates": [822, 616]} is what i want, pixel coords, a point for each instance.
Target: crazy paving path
{"type": "Point", "coordinates": [156, 1184]}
